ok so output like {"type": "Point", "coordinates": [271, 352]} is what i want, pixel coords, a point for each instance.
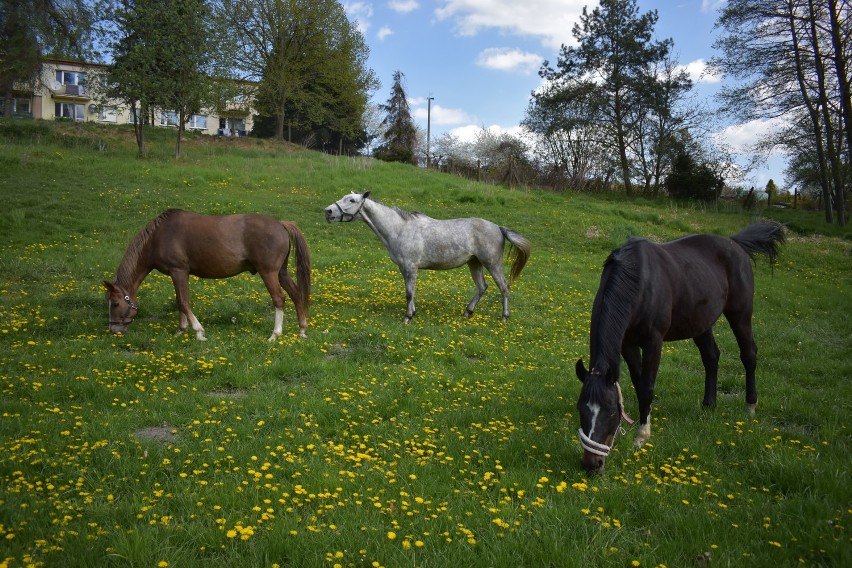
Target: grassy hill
{"type": "Point", "coordinates": [372, 443]}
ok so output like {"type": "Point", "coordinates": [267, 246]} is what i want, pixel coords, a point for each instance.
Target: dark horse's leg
{"type": "Point", "coordinates": [651, 351]}
{"type": "Point", "coordinates": [181, 284]}
{"type": "Point", "coordinates": [741, 326]}
{"type": "Point", "coordinates": [706, 344]}
{"type": "Point", "coordinates": [479, 281]}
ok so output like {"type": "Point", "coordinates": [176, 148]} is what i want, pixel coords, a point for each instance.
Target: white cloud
{"type": "Point", "coordinates": [708, 6]}
{"type": "Point", "coordinates": [441, 116]}
{"type": "Point", "coordinates": [403, 6]}
{"type": "Point", "coordinates": [470, 132]}
{"type": "Point", "coordinates": [383, 33]}
{"type": "Point", "coordinates": [550, 20]}
{"type": "Point", "coordinates": [509, 59]}
{"type": "Point", "coordinates": [699, 72]}
{"type": "Point", "coordinates": [741, 138]}
{"type": "Point", "coordinates": [361, 12]}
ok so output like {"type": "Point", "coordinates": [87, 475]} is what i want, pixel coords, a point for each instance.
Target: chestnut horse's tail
{"type": "Point", "coordinates": [303, 261]}
{"type": "Point", "coordinates": [520, 253]}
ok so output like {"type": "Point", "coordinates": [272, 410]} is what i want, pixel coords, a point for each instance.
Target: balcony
{"type": "Point", "coordinates": [78, 92]}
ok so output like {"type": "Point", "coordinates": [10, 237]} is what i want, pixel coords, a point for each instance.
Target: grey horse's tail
{"type": "Point", "coordinates": [520, 251]}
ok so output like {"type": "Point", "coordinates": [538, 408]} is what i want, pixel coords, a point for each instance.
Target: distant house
{"type": "Point", "coordinates": [69, 90]}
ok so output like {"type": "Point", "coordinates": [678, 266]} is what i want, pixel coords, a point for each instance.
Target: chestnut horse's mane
{"type": "Point", "coordinates": [130, 260]}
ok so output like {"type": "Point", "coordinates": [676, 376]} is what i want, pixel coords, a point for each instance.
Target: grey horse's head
{"type": "Point", "coordinates": [348, 208]}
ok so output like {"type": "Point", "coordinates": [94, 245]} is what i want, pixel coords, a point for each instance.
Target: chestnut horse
{"type": "Point", "coordinates": [650, 293]}
{"type": "Point", "coordinates": [179, 243]}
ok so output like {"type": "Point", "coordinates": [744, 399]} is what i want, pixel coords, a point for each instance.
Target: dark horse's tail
{"type": "Point", "coordinates": [520, 252]}
{"type": "Point", "coordinates": [761, 238]}
{"type": "Point", "coordinates": [303, 261]}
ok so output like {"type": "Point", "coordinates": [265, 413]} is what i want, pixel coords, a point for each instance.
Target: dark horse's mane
{"type": "Point", "coordinates": [124, 274]}
{"type": "Point", "coordinates": [613, 306]}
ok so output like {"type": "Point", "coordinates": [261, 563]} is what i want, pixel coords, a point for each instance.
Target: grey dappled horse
{"type": "Point", "coordinates": [415, 240]}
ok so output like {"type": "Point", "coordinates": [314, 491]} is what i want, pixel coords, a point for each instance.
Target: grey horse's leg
{"type": "Point", "coordinates": [496, 271]}
{"type": "Point", "coordinates": [409, 274]}
{"type": "Point", "coordinates": [479, 280]}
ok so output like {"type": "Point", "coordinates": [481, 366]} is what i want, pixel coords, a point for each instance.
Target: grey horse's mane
{"type": "Point", "coordinates": [406, 215]}
{"type": "Point", "coordinates": [124, 274]}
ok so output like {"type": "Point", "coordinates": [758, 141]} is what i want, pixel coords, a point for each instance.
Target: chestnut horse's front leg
{"type": "Point", "coordinates": [181, 284]}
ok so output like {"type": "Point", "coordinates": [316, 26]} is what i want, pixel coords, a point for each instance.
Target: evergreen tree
{"type": "Point", "coordinates": [400, 135]}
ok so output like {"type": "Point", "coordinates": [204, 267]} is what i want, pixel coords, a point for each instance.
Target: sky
{"type": "Point", "coordinates": [479, 59]}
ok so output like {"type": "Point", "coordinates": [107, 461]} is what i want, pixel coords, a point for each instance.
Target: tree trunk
{"type": "Point", "coordinates": [842, 73]}
{"type": "Point", "coordinates": [279, 123]}
{"type": "Point", "coordinates": [622, 146]}
{"type": "Point", "coordinates": [139, 131]}
{"type": "Point", "coordinates": [813, 113]}
{"type": "Point", "coordinates": [833, 154]}
{"type": "Point", "coordinates": [181, 118]}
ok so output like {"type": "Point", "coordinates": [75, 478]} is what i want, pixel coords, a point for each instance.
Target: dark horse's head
{"type": "Point", "coordinates": [122, 307]}
{"type": "Point", "coordinates": [601, 407]}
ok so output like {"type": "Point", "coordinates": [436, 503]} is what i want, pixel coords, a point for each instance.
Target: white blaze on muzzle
{"type": "Point", "coordinates": [602, 449]}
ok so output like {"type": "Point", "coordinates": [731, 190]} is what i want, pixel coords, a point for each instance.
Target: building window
{"type": "Point", "coordinates": [198, 121]}
{"type": "Point", "coordinates": [71, 111]}
{"type": "Point", "coordinates": [19, 106]}
{"type": "Point", "coordinates": [108, 114]}
{"type": "Point", "coordinates": [70, 77]}
{"type": "Point", "coordinates": [168, 119]}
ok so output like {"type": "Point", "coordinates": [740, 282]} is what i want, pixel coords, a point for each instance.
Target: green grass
{"type": "Point", "coordinates": [372, 443]}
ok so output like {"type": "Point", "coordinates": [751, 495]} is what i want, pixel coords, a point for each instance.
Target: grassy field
{"type": "Point", "coordinates": [370, 443]}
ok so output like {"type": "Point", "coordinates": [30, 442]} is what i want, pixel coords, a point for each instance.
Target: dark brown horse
{"type": "Point", "coordinates": [650, 293]}
{"type": "Point", "coordinates": [180, 243]}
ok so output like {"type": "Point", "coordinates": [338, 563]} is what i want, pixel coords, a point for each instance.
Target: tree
{"type": "Point", "coordinates": [309, 60]}
{"type": "Point", "coordinates": [30, 29]}
{"type": "Point", "coordinates": [163, 53]}
{"type": "Point", "coordinates": [691, 179]}
{"type": "Point", "coordinates": [132, 77]}
{"type": "Point", "coordinates": [400, 136]}
{"type": "Point", "coordinates": [771, 191]}
{"type": "Point", "coordinates": [791, 59]}
{"type": "Point", "coordinates": [615, 48]}
{"type": "Point", "coordinates": [185, 63]}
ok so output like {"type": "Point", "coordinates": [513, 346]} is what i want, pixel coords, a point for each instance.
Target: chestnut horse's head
{"type": "Point", "coordinates": [122, 307]}
{"type": "Point", "coordinates": [601, 408]}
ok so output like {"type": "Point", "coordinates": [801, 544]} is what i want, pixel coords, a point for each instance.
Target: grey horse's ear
{"type": "Point", "coordinates": [366, 194]}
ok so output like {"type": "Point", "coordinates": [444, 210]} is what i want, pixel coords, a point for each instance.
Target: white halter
{"type": "Point", "coordinates": [602, 449]}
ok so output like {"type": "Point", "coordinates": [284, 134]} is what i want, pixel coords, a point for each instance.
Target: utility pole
{"type": "Point", "coordinates": [428, 130]}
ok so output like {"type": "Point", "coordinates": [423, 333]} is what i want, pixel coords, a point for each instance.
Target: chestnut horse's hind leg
{"type": "Point", "coordinates": [292, 290]}
{"type": "Point", "coordinates": [181, 284]}
{"type": "Point", "coordinates": [706, 344]}
{"type": "Point", "coordinates": [270, 279]}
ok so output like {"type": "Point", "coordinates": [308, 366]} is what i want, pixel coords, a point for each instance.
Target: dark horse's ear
{"type": "Point", "coordinates": [109, 286]}
{"type": "Point", "coordinates": [366, 194]}
{"type": "Point", "coordinates": [581, 370]}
